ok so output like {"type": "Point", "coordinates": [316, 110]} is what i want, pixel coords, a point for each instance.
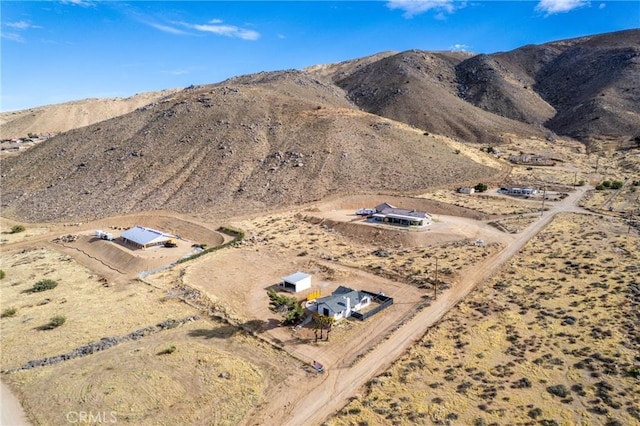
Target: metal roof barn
{"type": "Point", "coordinates": [142, 237]}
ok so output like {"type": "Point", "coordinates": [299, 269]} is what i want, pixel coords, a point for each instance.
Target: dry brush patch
{"type": "Point", "coordinates": [552, 338]}
{"type": "Point", "coordinates": [485, 203]}
{"type": "Point", "coordinates": [214, 375]}
{"type": "Point", "coordinates": [93, 307]}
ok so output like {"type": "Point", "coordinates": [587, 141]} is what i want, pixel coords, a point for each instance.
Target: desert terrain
{"type": "Point", "coordinates": [226, 358]}
{"type": "Point", "coordinates": [506, 310]}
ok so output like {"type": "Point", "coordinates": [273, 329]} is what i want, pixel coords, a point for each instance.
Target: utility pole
{"type": "Point", "coordinates": [597, 160]}
{"type": "Point", "coordinates": [544, 196]}
{"type": "Point", "coordinates": [575, 174]}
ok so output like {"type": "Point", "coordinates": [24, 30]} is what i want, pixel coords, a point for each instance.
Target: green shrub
{"type": "Point", "coordinates": [481, 187]}
{"type": "Point", "coordinates": [600, 187]}
{"type": "Point", "coordinates": [56, 321]}
{"type": "Point", "coordinates": [558, 390]}
{"type": "Point", "coordinates": [2, 274]}
{"type": "Point", "coordinates": [616, 184]}
{"type": "Point", "coordinates": [9, 312]}
{"type": "Point", "coordinates": [287, 305]}
{"type": "Point", "coordinates": [171, 349]}
{"type": "Point", "coordinates": [606, 183]}
{"type": "Point", "coordinates": [43, 285]}
{"type": "Point", "coordinates": [17, 228]}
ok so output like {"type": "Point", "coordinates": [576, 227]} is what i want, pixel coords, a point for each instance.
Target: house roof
{"type": "Point", "coordinates": [337, 301]}
{"type": "Point", "coordinates": [386, 209]}
{"type": "Point", "coordinates": [141, 235]}
{"type": "Point", "coordinates": [296, 278]}
{"type": "Point", "coordinates": [384, 206]}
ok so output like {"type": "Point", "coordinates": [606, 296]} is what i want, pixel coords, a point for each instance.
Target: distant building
{"type": "Point", "coordinates": [296, 282]}
{"type": "Point", "coordinates": [466, 190]}
{"type": "Point", "coordinates": [386, 213]}
{"type": "Point", "coordinates": [142, 237]}
{"type": "Point", "coordinates": [538, 160]}
{"type": "Point", "coordinates": [343, 302]}
{"type": "Point", "coordinates": [521, 192]}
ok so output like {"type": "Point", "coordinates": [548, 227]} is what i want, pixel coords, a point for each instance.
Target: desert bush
{"type": "Point", "coordinates": [9, 312]}
{"type": "Point", "coordinates": [534, 413]}
{"type": "Point", "coordinates": [616, 184]}
{"type": "Point", "coordinates": [481, 187]}
{"type": "Point", "coordinates": [600, 187]}
{"type": "Point", "coordinates": [17, 228]}
{"type": "Point", "coordinates": [558, 390]}
{"type": "Point", "coordinates": [2, 274]}
{"type": "Point", "coordinates": [171, 349]}
{"type": "Point", "coordinates": [606, 183]}
{"type": "Point", "coordinates": [43, 285]}
{"type": "Point", "coordinates": [56, 322]}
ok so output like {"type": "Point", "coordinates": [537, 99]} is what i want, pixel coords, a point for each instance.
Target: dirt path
{"type": "Point", "coordinates": [11, 412]}
{"type": "Point", "coordinates": [338, 384]}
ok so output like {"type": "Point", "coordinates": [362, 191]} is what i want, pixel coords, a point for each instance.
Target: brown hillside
{"type": "Point", "coordinates": [586, 88]}
{"type": "Point", "coordinates": [421, 89]}
{"type": "Point", "coordinates": [262, 141]}
{"type": "Point", "coordinates": [58, 118]}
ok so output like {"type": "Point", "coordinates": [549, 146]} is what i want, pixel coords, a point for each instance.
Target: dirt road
{"type": "Point", "coordinates": [339, 384]}
{"type": "Point", "coordinates": [11, 412]}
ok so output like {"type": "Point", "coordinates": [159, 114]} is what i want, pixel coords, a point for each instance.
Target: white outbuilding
{"type": "Point", "coordinates": [296, 282]}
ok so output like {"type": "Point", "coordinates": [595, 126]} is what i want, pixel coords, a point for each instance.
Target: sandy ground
{"type": "Point", "coordinates": [11, 412]}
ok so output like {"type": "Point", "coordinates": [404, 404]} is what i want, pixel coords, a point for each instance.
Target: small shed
{"type": "Point", "coordinates": [296, 282]}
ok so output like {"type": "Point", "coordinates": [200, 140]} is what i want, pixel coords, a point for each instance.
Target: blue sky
{"type": "Point", "coordinates": [54, 52]}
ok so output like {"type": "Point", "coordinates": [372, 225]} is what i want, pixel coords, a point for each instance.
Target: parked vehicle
{"type": "Point", "coordinates": [319, 367]}
{"type": "Point", "coordinates": [365, 212]}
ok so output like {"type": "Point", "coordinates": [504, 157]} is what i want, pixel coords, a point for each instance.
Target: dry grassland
{"type": "Point", "coordinates": [413, 265]}
{"type": "Point", "coordinates": [553, 339]}
{"type": "Point", "coordinates": [93, 309]}
{"type": "Point", "coordinates": [491, 204]}
{"type": "Point", "coordinates": [215, 374]}
{"type": "Point", "coordinates": [7, 237]}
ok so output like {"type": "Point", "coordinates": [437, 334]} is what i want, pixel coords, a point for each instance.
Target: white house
{"type": "Point", "coordinates": [387, 213]}
{"type": "Point", "coordinates": [466, 190]}
{"type": "Point", "coordinates": [342, 303]}
{"type": "Point", "coordinates": [296, 282]}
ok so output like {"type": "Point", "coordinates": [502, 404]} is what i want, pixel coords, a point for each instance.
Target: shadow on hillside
{"type": "Point", "coordinates": [226, 331]}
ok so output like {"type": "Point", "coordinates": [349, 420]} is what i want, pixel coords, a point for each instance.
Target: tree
{"type": "Point", "coordinates": [288, 306]}
{"type": "Point", "coordinates": [17, 228]}
{"type": "Point", "coordinates": [481, 187]}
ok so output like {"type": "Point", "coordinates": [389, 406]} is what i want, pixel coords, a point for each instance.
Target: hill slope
{"type": "Point", "coordinates": [58, 118]}
{"type": "Point", "coordinates": [585, 88]}
{"type": "Point", "coordinates": [262, 141]}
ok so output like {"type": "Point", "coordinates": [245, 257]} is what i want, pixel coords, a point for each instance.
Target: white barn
{"type": "Point", "coordinates": [142, 237]}
{"type": "Point", "coordinates": [296, 282]}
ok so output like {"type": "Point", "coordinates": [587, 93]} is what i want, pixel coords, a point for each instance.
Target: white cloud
{"type": "Point", "coordinates": [551, 7]}
{"type": "Point", "coordinates": [459, 47]}
{"type": "Point", "coordinates": [227, 31]}
{"type": "Point", "coordinates": [416, 7]}
{"type": "Point", "coordinates": [83, 3]}
{"type": "Point", "coordinates": [21, 25]}
{"type": "Point", "coordinates": [602, 5]}
{"type": "Point", "coordinates": [12, 37]}
{"type": "Point", "coordinates": [176, 72]}
{"type": "Point", "coordinates": [215, 21]}
{"type": "Point", "coordinates": [165, 28]}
